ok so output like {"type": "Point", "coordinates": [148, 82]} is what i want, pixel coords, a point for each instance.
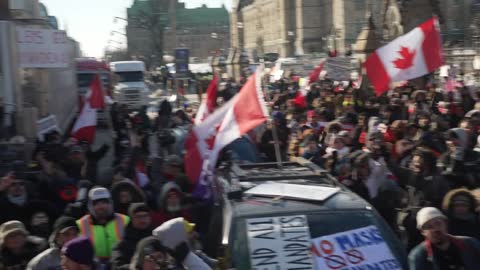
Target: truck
{"type": "Point", "coordinates": [130, 88]}
{"type": "Point", "coordinates": [87, 68]}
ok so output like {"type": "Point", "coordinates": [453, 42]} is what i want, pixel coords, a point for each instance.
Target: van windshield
{"type": "Point", "coordinates": [320, 224]}
{"type": "Point", "coordinates": [130, 76]}
{"type": "Point", "coordinates": [85, 79]}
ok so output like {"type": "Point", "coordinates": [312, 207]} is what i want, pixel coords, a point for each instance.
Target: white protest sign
{"type": "Point", "coordinates": [45, 125]}
{"type": "Point", "coordinates": [313, 193]}
{"type": "Point", "coordinates": [279, 243]}
{"type": "Point", "coordinates": [42, 48]}
{"type": "Point", "coordinates": [362, 248]}
{"type": "Point", "coordinates": [339, 68]}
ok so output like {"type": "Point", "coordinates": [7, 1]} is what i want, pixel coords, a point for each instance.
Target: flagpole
{"type": "Point", "coordinates": [276, 142]}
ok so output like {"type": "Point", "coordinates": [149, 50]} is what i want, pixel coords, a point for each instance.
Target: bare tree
{"type": "Point", "coordinates": [153, 18]}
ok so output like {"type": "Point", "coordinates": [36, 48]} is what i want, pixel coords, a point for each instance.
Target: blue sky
{"type": "Point", "coordinates": [91, 21]}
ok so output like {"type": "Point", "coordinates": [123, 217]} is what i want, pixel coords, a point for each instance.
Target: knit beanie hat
{"type": "Point", "coordinates": [426, 214]}
{"type": "Point", "coordinates": [137, 207]}
{"type": "Point", "coordinates": [79, 250]}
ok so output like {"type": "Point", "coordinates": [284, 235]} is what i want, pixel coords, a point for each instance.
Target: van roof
{"type": "Point", "coordinates": [258, 205]}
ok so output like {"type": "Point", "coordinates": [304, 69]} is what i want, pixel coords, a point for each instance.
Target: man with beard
{"type": "Point", "coordinates": [441, 250]}
{"type": "Point", "coordinates": [102, 226]}
{"type": "Point", "coordinates": [169, 204]}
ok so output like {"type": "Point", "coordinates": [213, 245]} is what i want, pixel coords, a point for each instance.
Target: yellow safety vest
{"type": "Point", "coordinates": [103, 237]}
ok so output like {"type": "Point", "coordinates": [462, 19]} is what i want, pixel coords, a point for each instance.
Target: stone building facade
{"type": "Point", "coordinates": [154, 29]}
{"type": "Point", "coordinates": [296, 27]}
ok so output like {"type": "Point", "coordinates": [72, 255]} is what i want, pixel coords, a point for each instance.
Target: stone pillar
{"type": "Point", "coordinates": [300, 28]}
{"type": "Point", "coordinates": [339, 25]}
{"type": "Point", "coordinates": [234, 31]}
{"type": "Point", "coordinates": [282, 21]}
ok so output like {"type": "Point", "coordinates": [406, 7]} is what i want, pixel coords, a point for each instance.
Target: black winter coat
{"type": "Point", "coordinates": [122, 254]}
{"type": "Point", "coordinates": [32, 248]}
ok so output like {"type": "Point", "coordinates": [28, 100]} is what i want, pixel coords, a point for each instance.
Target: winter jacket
{"type": "Point", "coordinates": [161, 214]}
{"type": "Point", "coordinates": [49, 259]}
{"type": "Point", "coordinates": [468, 224]}
{"type": "Point", "coordinates": [422, 257]}
{"type": "Point", "coordinates": [465, 227]}
{"type": "Point", "coordinates": [136, 194]}
{"type": "Point", "coordinates": [458, 166]}
{"type": "Point", "coordinates": [93, 158]}
{"type": "Point", "coordinates": [10, 211]}
{"type": "Point", "coordinates": [123, 252]}
{"type": "Point", "coordinates": [32, 247]}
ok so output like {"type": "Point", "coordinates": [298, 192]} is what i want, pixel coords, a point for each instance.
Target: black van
{"type": "Point", "coordinates": [295, 215]}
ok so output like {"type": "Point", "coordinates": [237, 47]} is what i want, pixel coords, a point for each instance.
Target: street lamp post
{"type": "Point", "coordinates": [117, 32]}
{"type": "Point", "coordinates": [115, 19]}
{"type": "Point", "coordinates": [114, 41]}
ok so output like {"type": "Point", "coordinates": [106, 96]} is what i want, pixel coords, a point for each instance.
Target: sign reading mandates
{"type": "Point", "coordinates": [357, 249]}
{"type": "Point", "coordinates": [279, 243]}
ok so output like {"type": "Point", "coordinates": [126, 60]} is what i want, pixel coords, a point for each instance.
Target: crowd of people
{"type": "Point", "coordinates": [413, 154]}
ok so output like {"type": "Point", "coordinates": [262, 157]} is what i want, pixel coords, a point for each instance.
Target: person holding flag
{"type": "Point", "coordinates": [86, 123]}
{"type": "Point", "coordinates": [239, 115]}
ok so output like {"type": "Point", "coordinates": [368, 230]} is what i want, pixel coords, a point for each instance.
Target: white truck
{"type": "Point", "coordinates": [130, 87]}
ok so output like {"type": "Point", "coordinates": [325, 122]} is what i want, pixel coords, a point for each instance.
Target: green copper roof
{"type": "Point", "coordinates": [185, 17]}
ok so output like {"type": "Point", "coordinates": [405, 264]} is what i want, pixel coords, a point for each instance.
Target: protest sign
{"type": "Point", "coordinates": [339, 68]}
{"type": "Point", "coordinates": [357, 249]}
{"type": "Point", "coordinates": [279, 243]}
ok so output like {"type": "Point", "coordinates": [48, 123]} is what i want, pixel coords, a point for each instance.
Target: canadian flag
{"type": "Point", "coordinates": [410, 56]}
{"type": "Point", "coordinates": [208, 105]}
{"type": "Point", "coordinates": [239, 115]}
{"type": "Point", "coordinates": [300, 99]}
{"type": "Point", "coordinates": [316, 73]}
{"type": "Point", "coordinates": [84, 128]}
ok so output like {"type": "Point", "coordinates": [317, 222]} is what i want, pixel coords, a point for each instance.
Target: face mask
{"type": "Point", "coordinates": [173, 208]}
{"type": "Point", "coordinates": [19, 200]}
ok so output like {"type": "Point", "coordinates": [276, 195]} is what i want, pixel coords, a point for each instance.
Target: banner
{"type": "Point", "coordinates": [42, 48]}
{"type": "Point", "coordinates": [362, 248]}
{"type": "Point", "coordinates": [279, 243]}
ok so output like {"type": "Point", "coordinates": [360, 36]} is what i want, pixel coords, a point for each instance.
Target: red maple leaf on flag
{"type": "Point", "coordinates": [405, 60]}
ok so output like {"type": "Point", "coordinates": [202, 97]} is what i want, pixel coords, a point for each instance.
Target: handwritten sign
{"type": "Point", "coordinates": [362, 248]}
{"type": "Point", "coordinates": [339, 68]}
{"type": "Point", "coordinates": [42, 48]}
{"type": "Point", "coordinates": [279, 243]}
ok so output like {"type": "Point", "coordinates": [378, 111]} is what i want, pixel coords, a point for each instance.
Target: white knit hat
{"type": "Point", "coordinates": [426, 214]}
